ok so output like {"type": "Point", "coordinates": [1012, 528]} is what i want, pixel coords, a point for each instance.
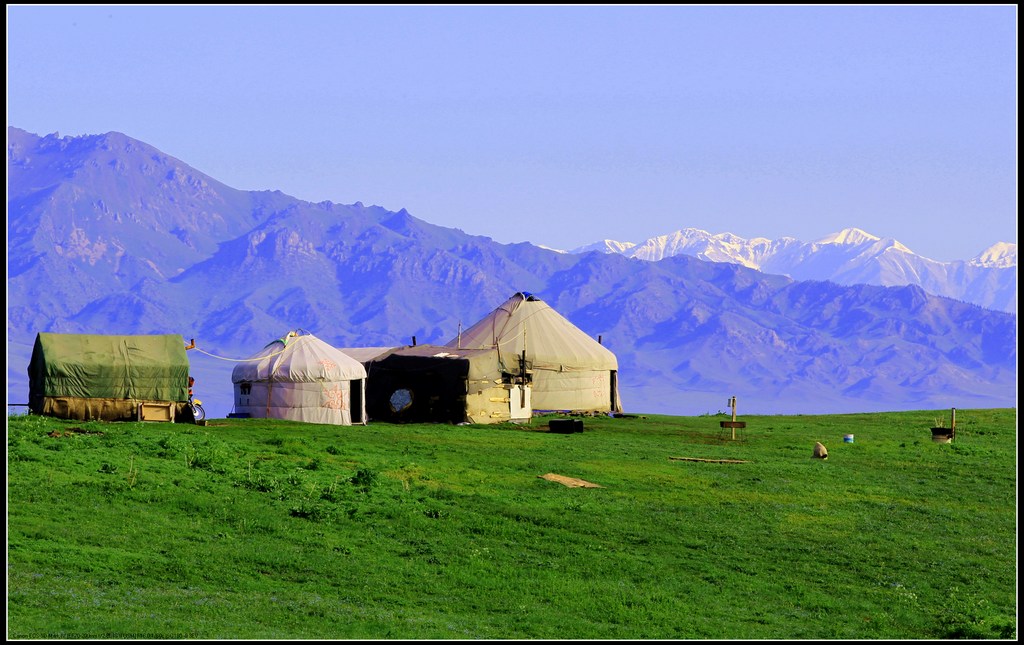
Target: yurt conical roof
{"type": "Point", "coordinates": [550, 340]}
{"type": "Point", "coordinates": [298, 358]}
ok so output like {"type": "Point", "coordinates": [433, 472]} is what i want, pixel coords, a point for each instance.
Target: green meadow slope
{"type": "Point", "coordinates": [252, 529]}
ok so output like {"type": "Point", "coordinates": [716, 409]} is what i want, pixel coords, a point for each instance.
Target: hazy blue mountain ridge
{"type": "Point", "coordinates": [108, 235]}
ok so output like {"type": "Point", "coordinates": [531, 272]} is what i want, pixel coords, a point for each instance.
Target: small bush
{"type": "Point", "coordinates": [332, 493]}
{"type": "Point", "coordinates": [365, 479]}
{"type": "Point", "coordinates": [967, 617]}
{"type": "Point", "coordinates": [262, 484]}
{"type": "Point", "coordinates": [314, 464]}
{"type": "Point", "coordinates": [309, 510]}
{"type": "Point", "coordinates": [207, 457]}
{"type": "Point", "coordinates": [169, 447]}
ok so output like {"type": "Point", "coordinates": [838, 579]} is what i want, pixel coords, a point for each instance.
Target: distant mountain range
{"type": "Point", "coordinates": [107, 234]}
{"type": "Point", "coordinates": [850, 256]}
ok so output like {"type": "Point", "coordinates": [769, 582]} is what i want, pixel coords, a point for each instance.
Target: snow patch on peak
{"type": "Point", "coordinates": [889, 244]}
{"type": "Point", "coordinates": [730, 238]}
{"type": "Point", "coordinates": [605, 246]}
{"type": "Point", "coordinates": [698, 233]}
{"type": "Point", "coordinates": [901, 247]}
{"type": "Point", "coordinates": [723, 247]}
{"type": "Point", "coordinates": [848, 236]}
{"type": "Point", "coordinates": [548, 248]}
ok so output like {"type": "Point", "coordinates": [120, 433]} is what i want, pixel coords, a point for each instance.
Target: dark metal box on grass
{"type": "Point", "coordinates": [565, 426]}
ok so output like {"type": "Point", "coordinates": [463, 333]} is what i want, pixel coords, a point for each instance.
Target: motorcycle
{"type": "Point", "coordinates": [195, 404]}
{"type": "Point", "coordinates": [197, 408]}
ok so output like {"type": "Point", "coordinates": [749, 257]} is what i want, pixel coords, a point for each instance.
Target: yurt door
{"type": "Point", "coordinates": [520, 407]}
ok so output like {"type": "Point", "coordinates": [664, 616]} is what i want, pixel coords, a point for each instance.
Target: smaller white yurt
{"type": "Point", "coordinates": [301, 378]}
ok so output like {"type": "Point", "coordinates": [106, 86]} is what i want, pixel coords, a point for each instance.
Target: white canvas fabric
{"type": "Point", "coordinates": [301, 378]}
{"type": "Point", "coordinates": [571, 370]}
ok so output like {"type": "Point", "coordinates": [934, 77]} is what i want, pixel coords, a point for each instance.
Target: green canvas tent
{"type": "Point", "coordinates": [86, 376]}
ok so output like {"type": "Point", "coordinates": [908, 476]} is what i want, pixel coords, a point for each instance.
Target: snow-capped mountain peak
{"type": "Point", "coordinates": [851, 256]}
{"type": "Point", "coordinates": [1001, 255]}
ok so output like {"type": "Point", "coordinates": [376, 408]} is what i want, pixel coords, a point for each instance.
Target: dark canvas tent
{"type": "Point", "coordinates": [570, 371]}
{"type": "Point", "coordinates": [434, 384]}
{"type": "Point", "coordinates": [107, 377]}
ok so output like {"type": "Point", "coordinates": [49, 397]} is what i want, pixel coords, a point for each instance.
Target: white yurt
{"type": "Point", "coordinates": [569, 370]}
{"type": "Point", "coordinates": [301, 378]}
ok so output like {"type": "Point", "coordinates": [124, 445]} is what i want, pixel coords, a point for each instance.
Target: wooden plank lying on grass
{"type": "Point", "coordinates": [571, 482]}
{"type": "Point", "coordinates": [712, 461]}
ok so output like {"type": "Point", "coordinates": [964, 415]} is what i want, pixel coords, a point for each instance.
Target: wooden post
{"type": "Point", "coordinates": [522, 365]}
{"type": "Point", "coordinates": [952, 424]}
{"type": "Point", "coordinates": [732, 401]}
{"type": "Point", "coordinates": [522, 380]}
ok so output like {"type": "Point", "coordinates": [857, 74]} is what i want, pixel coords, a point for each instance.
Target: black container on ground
{"type": "Point", "coordinates": [565, 426]}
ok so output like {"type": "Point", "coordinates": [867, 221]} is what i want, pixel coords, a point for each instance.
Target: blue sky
{"type": "Point", "coordinates": [562, 125]}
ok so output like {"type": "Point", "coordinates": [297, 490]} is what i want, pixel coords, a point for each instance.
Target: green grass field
{"type": "Point", "coordinates": [252, 529]}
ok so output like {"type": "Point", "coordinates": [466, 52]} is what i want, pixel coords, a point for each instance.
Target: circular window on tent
{"type": "Point", "coordinates": [400, 400]}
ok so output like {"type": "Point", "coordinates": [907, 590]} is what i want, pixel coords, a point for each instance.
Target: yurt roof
{"type": "Point", "coordinates": [298, 357]}
{"type": "Point", "coordinates": [551, 342]}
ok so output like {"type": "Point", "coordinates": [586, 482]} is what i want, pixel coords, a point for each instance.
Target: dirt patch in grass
{"type": "Point", "coordinates": [571, 482]}
{"type": "Point", "coordinates": [72, 431]}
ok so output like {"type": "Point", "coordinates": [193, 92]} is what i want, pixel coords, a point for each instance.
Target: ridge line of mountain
{"type": "Point", "coordinates": [109, 235]}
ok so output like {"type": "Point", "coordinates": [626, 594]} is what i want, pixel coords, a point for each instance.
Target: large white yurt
{"type": "Point", "coordinates": [301, 378]}
{"type": "Point", "coordinates": [569, 370]}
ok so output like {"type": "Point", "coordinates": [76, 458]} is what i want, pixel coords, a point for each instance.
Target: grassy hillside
{"type": "Point", "coordinates": [251, 529]}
